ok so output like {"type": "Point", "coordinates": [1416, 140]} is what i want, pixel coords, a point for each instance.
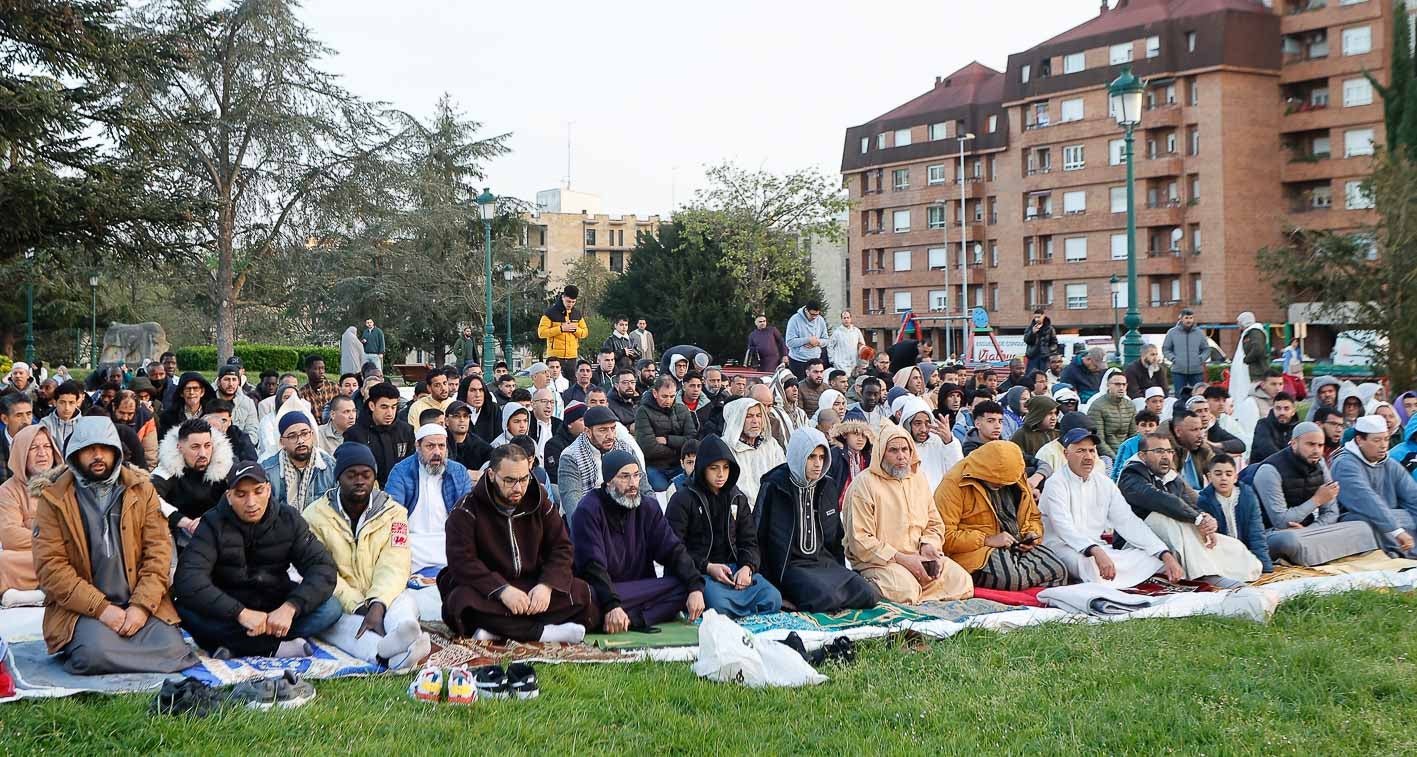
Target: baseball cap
{"type": "Point", "coordinates": [1079, 434]}
{"type": "Point", "coordinates": [458, 406]}
{"type": "Point", "coordinates": [246, 469]}
{"type": "Point", "coordinates": [230, 369]}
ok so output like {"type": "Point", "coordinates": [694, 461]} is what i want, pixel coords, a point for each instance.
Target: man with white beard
{"type": "Point", "coordinates": [429, 486]}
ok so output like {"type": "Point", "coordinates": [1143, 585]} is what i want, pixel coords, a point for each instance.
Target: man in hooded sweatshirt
{"type": "Point", "coordinates": [103, 555]}
{"type": "Point", "coordinates": [992, 526]}
{"type": "Point", "coordinates": [1406, 453]}
{"type": "Point", "coordinates": [1040, 425]}
{"type": "Point", "coordinates": [1376, 489]}
{"type": "Point", "coordinates": [894, 533]}
{"type": "Point", "coordinates": [390, 438]}
{"type": "Point", "coordinates": [746, 432]}
{"type": "Point", "coordinates": [620, 534]}
{"type": "Point", "coordinates": [1324, 390]}
{"type": "Point", "coordinates": [806, 337]}
{"type": "Point", "coordinates": [714, 519]}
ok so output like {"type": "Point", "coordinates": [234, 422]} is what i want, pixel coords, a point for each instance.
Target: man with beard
{"type": "Point", "coordinates": [243, 415]}
{"type": "Point", "coordinates": [463, 445]}
{"type": "Point", "coordinates": [390, 438]}
{"type": "Point", "coordinates": [1146, 372]}
{"type": "Point", "coordinates": [811, 386]}
{"type": "Point", "coordinates": [1325, 393]}
{"type": "Point", "coordinates": [440, 389]}
{"type": "Point", "coordinates": [1114, 414]}
{"type": "Point", "coordinates": [429, 486]}
{"type": "Point", "coordinates": [510, 563]}
{"type": "Point", "coordinates": [1018, 376]}
{"type": "Point", "coordinates": [317, 390]}
{"type": "Point", "coordinates": [563, 327]}
{"type": "Point", "coordinates": [893, 529]}
{"type": "Point", "coordinates": [662, 425]}
{"type": "Point", "coordinates": [1330, 420]}
{"type": "Point", "coordinates": [300, 472]}
{"type": "Point", "coordinates": [710, 412]}
{"type": "Point", "coordinates": [576, 392]}
{"type": "Point", "coordinates": [1375, 489]}
{"type": "Point", "coordinates": [1192, 449]}
{"type": "Point", "coordinates": [939, 450]}
{"type": "Point", "coordinates": [192, 465]}
{"type": "Point", "coordinates": [1273, 432]}
{"type": "Point", "coordinates": [623, 398]}
{"type": "Point", "coordinates": [343, 414]}
{"type": "Point", "coordinates": [579, 469]}
{"type": "Point", "coordinates": [745, 429]}
{"type": "Point", "coordinates": [871, 410]}
{"type": "Point", "coordinates": [620, 534]}
{"type": "Point", "coordinates": [366, 533]}
{"type": "Point", "coordinates": [103, 556]}
{"type": "Point", "coordinates": [645, 374]}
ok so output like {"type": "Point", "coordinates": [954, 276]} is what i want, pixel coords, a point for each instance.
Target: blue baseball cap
{"type": "Point", "coordinates": [1078, 434]}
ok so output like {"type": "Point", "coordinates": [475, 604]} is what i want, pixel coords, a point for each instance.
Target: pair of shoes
{"type": "Point", "coordinates": [814, 658]}
{"type": "Point", "coordinates": [841, 650]}
{"type": "Point", "coordinates": [517, 681]}
{"type": "Point", "coordinates": [286, 691]}
{"type": "Point", "coordinates": [427, 686]}
{"type": "Point", "coordinates": [185, 696]}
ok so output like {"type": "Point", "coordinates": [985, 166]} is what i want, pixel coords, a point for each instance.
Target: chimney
{"type": "Point", "coordinates": [1122, 4]}
{"type": "Point", "coordinates": [937, 81]}
{"type": "Point", "coordinates": [1103, 11]}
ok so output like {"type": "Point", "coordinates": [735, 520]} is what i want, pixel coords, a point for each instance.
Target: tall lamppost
{"type": "Point", "coordinates": [963, 252]}
{"type": "Point", "coordinates": [93, 324]}
{"type": "Point", "coordinates": [29, 307]}
{"type": "Point", "coordinates": [509, 275]}
{"type": "Point", "coordinates": [1125, 93]}
{"type": "Point", "coordinates": [487, 204]}
{"type": "Point", "coordinates": [1115, 284]}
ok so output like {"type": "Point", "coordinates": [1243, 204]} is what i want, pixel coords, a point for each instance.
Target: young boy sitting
{"type": "Point", "coordinates": [1147, 422]}
{"type": "Point", "coordinates": [1235, 507]}
{"type": "Point", "coordinates": [688, 454]}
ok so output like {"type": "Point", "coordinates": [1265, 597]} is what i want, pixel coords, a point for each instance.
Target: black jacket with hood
{"type": "Point", "coordinates": [390, 443]}
{"type": "Point", "coordinates": [715, 527]}
{"type": "Point", "coordinates": [776, 511]}
{"type": "Point", "coordinates": [174, 412]}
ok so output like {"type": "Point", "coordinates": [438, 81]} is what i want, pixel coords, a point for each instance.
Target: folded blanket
{"type": "Point", "coordinates": [1025, 598]}
{"type": "Point", "coordinates": [1093, 599]}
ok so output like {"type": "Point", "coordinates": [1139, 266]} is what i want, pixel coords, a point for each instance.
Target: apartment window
{"type": "Point", "coordinates": [881, 141]}
{"type": "Point", "coordinates": [935, 174]}
{"type": "Point", "coordinates": [1046, 245]}
{"type": "Point", "coordinates": [1040, 113]}
{"type": "Point", "coordinates": [1074, 202]}
{"type": "Point", "coordinates": [617, 262]}
{"type": "Point", "coordinates": [993, 253]}
{"type": "Point", "coordinates": [1153, 47]}
{"type": "Point", "coordinates": [1023, 73]}
{"type": "Point", "coordinates": [1071, 110]}
{"type": "Point", "coordinates": [1357, 92]}
{"type": "Point", "coordinates": [900, 179]}
{"type": "Point", "coordinates": [590, 237]}
{"type": "Point", "coordinates": [1045, 292]}
{"type": "Point", "coordinates": [1119, 246]}
{"type": "Point", "coordinates": [1197, 294]}
{"type": "Point", "coordinates": [1369, 245]}
{"type": "Point", "coordinates": [993, 173]}
{"type": "Point", "coordinates": [1116, 152]}
{"type": "Point", "coordinates": [1356, 197]}
{"type": "Point", "coordinates": [1318, 97]}
{"type": "Point", "coordinates": [935, 216]}
{"type": "Point", "coordinates": [902, 301]}
{"type": "Point", "coordinates": [902, 137]}
{"type": "Point", "coordinates": [1321, 197]}
{"type": "Point", "coordinates": [1119, 53]}
{"type": "Point", "coordinates": [1074, 249]}
{"type": "Point", "coordinates": [900, 220]}
{"type": "Point", "coordinates": [1170, 94]}
{"type": "Point", "coordinates": [900, 260]}
{"type": "Point", "coordinates": [993, 124]}
{"type": "Point", "coordinates": [1151, 149]}
{"type": "Point", "coordinates": [976, 168]}
{"type": "Point", "coordinates": [1194, 96]}
{"type": "Point", "coordinates": [1077, 296]}
{"type": "Point", "coordinates": [1171, 143]}
{"type": "Point", "coordinates": [1195, 140]}
{"type": "Point", "coordinates": [1195, 183]}
{"type": "Point", "coordinates": [939, 257]}
{"type": "Point", "coordinates": [939, 300]}
{"type": "Point", "coordinates": [865, 144]}
{"type": "Point", "coordinates": [1190, 42]}
{"type": "Point", "coordinates": [939, 131]}
{"type": "Point", "coordinates": [993, 297]}
{"type": "Point", "coordinates": [1073, 158]}
{"type": "Point", "coordinates": [1351, 2]}
{"type": "Point", "coordinates": [1357, 142]}
{"type": "Point", "coordinates": [1073, 63]}
{"type": "Point", "coordinates": [1357, 40]}
{"type": "Point", "coordinates": [1118, 196]}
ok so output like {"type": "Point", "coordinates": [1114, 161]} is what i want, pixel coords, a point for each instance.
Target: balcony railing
{"type": "Point", "coordinates": [1174, 202]}
{"type": "Point", "coordinates": [1304, 6]}
{"type": "Point", "coordinates": [1037, 215]}
{"type": "Point", "coordinates": [1303, 106]}
{"type": "Point", "coordinates": [1039, 170]}
{"type": "Point", "coordinates": [1162, 252]}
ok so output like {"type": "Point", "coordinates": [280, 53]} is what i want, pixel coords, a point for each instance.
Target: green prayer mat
{"type": "Point", "coordinates": [672, 634]}
{"type": "Point", "coordinates": [883, 614]}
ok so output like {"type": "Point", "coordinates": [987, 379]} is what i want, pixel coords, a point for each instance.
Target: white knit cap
{"type": "Point", "coordinates": [1155, 391]}
{"type": "Point", "coordinates": [1371, 424]}
{"type": "Point", "coordinates": [429, 429]}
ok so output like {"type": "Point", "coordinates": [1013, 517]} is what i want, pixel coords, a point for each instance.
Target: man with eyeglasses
{"type": "Point", "coordinates": [1330, 420]}
{"type": "Point", "coordinates": [300, 472]}
{"type": "Point", "coordinates": [544, 424]}
{"type": "Point", "coordinates": [623, 397]}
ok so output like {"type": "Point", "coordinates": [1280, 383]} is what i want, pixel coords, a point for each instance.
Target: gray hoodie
{"type": "Point", "coordinates": [1319, 383]}
{"type": "Point", "coordinates": [101, 507]}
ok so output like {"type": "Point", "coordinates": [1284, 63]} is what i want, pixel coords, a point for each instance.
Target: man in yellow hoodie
{"type": "Point", "coordinates": [366, 532]}
{"type": "Point", "coordinates": [563, 327]}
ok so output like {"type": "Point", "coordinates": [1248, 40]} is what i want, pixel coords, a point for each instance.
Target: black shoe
{"type": "Point", "coordinates": [521, 679]}
{"type": "Point", "coordinates": [814, 658]}
{"type": "Point", "coordinates": [491, 682]}
{"type": "Point", "coordinates": [186, 696]}
{"type": "Point", "coordinates": [841, 650]}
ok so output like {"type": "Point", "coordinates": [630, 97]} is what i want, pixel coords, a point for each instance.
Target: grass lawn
{"type": "Point", "coordinates": [1328, 675]}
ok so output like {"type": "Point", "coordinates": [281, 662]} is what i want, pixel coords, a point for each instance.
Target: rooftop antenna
{"type": "Point", "coordinates": [568, 153]}
{"type": "Point", "coordinates": [673, 189]}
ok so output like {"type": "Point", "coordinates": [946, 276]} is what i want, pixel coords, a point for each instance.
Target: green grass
{"type": "Point", "coordinates": [1327, 675]}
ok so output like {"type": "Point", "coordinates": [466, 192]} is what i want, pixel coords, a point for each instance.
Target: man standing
{"type": "Point", "coordinates": [579, 470]}
{"type": "Point", "coordinates": [1299, 504]}
{"type": "Point", "coordinates": [103, 556]}
{"type": "Point", "coordinates": [619, 343]}
{"type": "Point", "coordinates": [1254, 345]}
{"type": "Point", "coordinates": [1188, 350]}
{"type": "Point", "coordinates": [662, 426]}
{"type": "Point", "coordinates": [1040, 340]}
{"type": "Point", "coordinates": [300, 472]}
{"type": "Point", "coordinates": [366, 533]}
{"type": "Point", "coordinates": [1115, 415]}
{"type": "Point", "coordinates": [465, 348]}
{"type": "Point", "coordinates": [243, 410]}
{"type": "Point", "coordinates": [766, 348]}
{"type": "Point", "coordinates": [806, 336]}
{"type": "Point", "coordinates": [1085, 375]}
{"type": "Point", "coordinates": [429, 486]}
{"type": "Point", "coordinates": [510, 572]}
{"type": "Point", "coordinates": [1145, 373]}
{"type": "Point", "coordinates": [845, 345]}
{"type": "Point", "coordinates": [317, 391]}
{"type": "Point", "coordinates": [563, 327]}
{"type": "Point", "coordinates": [343, 414]}
{"type": "Point", "coordinates": [643, 340]}
{"type": "Point", "coordinates": [1375, 489]}
{"type": "Point", "coordinates": [373, 341]}
{"type": "Point", "coordinates": [390, 438]}
{"type": "Point", "coordinates": [893, 530]}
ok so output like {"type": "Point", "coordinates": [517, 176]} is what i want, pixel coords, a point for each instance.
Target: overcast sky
{"type": "Point", "coordinates": [655, 90]}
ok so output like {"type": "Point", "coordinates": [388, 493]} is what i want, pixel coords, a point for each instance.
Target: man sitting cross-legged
{"type": "Point", "coordinates": [103, 552]}
{"type": "Point", "coordinates": [893, 530]}
{"type": "Point", "coordinates": [233, 586]}
{"type": "Point", "coordinates": [510, 561]}
{"type": "Point", "coordinates": [366, 534]}
{"type": "Point", "coordinates": [620, 534]}
{"type": "Point", "coordinates": [1079, 503]}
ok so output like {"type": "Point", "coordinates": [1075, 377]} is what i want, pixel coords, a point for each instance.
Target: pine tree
{"type": "Point", "coordinates": [1398, 116]}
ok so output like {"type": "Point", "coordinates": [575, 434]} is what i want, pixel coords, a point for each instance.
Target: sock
{"type": "Point", "coordinates": [398, 638]}
{"type": "Point", "coordinates": [570, 633]}
{"type": "Point", "coordinates": [482, 635]}
{"type": "Point", "coordinates": [417, 652]}
{"type": "Point", "coordinates": [293, 648]}
{"type": "Point", "coordinates": [21, 598]}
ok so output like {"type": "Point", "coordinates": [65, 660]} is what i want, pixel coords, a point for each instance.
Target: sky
{"type": "Point", "coordinates": [653, 92]}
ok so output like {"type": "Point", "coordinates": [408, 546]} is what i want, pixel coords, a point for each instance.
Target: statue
{"type": "Point", "coordinates": [133, 342]}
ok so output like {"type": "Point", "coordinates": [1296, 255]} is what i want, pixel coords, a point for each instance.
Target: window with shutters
{"type": "Point", "coordinates": [1074, 202]}
{"type": "Point", "coordinates": [1357, 40]}
{"type": "Point", "coordinates": [1077, 296]}
{"type": "Point", "coordinates": [1070, 110]}
{"type": "Point", "coordinates": [1116, 152]}
{"type": "Point", "coordinates": [1075, 249]}
{"type": "Point", "coordinates": [1357, 142]}
{"type": "Point", "coordinates": [1153, 47]}
{"type": "Point", "coordinates": [939, 258]}
{"type": "Point", "coordinates": [1073, 158]}
{"type": "Point", "coordinates": [1119, 246]}
{"type": "Point", "coordinates": [900, 220]}
{"type": "Point", "coordinates": [902, 301]}
{"type": "Point", "coordinates": [1118, 197]}
{"type": "Point", "coordinates": [1119, 53]}
{"type": "Point", "coordinates": [1357, 92]}
{"type": "Point", "coordinates": [1073, 63]}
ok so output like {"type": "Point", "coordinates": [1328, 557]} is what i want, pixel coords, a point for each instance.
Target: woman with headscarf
{"type": "Point", "coordinates": [1350, 403]}
{"type": "Point", "coordinates": [32, 453]}
{"type": "Point", "coordinates": [850, 453]}
{"type": "Point", "coordinates": [351, 351]}
{"type": "Point", "coordinates": [800, 533]}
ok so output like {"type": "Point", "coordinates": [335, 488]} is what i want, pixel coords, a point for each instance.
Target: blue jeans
{"type": "Point", "coordinates": [1180, 381]}
{"type": "Point", "coordinates": [211, 633]}
{"type": "Point", "coordinates": [659, 480]}
{"type": "Point", "coordinates": [760, 596]}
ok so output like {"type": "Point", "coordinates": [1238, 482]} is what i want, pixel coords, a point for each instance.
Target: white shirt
{"type": "Point", "coordinates": [1076, 511]}
{"type": "Point", "coordinates": [937, 458]}
{"type": "Point", "coordinates": [425, 523]}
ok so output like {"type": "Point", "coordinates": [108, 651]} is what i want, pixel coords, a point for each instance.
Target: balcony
{"type": "Point", "coordinates": [1066, 131]}
{"type": "Point", "coordinates": [1161, 165]}
{"type": "Point", "coordinates": [1167, 214]}
{"type": "Point", "coordinates": [1037, 215]}
{"type": "Point", "coordinates": [1304, 16]}
{"type": "Point", "coordinates": [1324, 167]}
{"type": "Point", "coordinates": [1329, 117]}
{"type": "Point", "coordinates": [1163, 252]}
{"type": "Point", "coordinates": [1161, 116]}
{"type": "Point", "coordinates": [1335, 64]}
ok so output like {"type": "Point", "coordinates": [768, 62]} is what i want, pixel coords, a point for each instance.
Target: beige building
{"type": "Point", "coordinates": [568, 226]}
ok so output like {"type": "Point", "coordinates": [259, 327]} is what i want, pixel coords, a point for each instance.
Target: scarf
{"type": "Point", "coordinates": [297, 482]}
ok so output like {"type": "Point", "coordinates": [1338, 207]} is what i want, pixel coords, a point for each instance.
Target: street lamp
{"type": "Point", "coordinates": [487, 204]}
{"type": "Point", "coordinates": [1116, 287]}
{"type": "Point", "coordinates": [510, 276]}
{"type": "Point", "coordinates": [963, 271]}
{"type": "Point", "coordinates": [1125, 94]}
{"type": "Point", "coordinates": [93, 324]}
{"type": "Point", "coordinates": [29, 308]}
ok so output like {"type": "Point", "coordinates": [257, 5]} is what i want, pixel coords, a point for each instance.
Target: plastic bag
{"type": "Point", "coordinates": [728, 653]}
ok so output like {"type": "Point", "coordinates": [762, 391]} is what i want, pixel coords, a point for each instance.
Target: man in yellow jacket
{"type": "Point", "coordinates": [366, 532]}
{"type": "Point", "coordinates": [563, 327]}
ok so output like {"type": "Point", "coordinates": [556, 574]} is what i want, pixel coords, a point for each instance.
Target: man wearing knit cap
{"type": "Point", "coordinates": [572, 426]}
{"type": "Point", "coordinates": [620, 534]}
{"type": "Point", "coordinates": [1375, 489]}
{"type": "Point", "coordinates": [300, 472]}
{"type": "Point", "coordinates": [429, 486]}
{"type": "Point", "coordinates": [579, 468]}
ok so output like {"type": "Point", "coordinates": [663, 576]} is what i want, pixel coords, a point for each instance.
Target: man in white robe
{"type": "Point", "coordinates": [745, 429]}
{"type": "Point", "coordinates": [1079, 503]}
{"type": "Point", "coordinates": [938, 448]}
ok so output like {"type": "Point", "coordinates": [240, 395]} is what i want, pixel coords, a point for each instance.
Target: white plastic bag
{"type": "Point", "coordinates": [728, 653]}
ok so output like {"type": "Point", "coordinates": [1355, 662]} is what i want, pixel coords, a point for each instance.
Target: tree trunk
{"type": "Point", "coordinates": [225, 289]}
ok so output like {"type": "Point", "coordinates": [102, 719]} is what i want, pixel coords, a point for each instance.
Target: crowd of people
{"type": "Point", "coordinates": [624, 487]}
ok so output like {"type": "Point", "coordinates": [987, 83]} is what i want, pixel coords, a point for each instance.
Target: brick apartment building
{"type": "Point", "coordinates": [1257, 119]}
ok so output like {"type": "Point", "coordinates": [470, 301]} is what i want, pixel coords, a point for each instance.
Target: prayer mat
{"type": "Point", "coordinates": [960, 609]}
{"type": "Point", "coordinates": [451, 652]}
{"type": "Point", "coordinates": [883, 614]}
{"type": "Point", "coordinates": [674, 634]}
{"type": "Point", "coordinates": [1025, 598]}
{"type": "Point", "coordinates": [1156, 586]}
{"type": "Point", "coordinates": [1285, 573]}
{"type": "Point", "coordinates": [1371, 561]}
{"type": "Point", "coordinates": [775, 621]}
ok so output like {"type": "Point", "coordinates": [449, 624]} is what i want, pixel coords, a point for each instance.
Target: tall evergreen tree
{"type": "Point", "coordinates": [1400, 93]}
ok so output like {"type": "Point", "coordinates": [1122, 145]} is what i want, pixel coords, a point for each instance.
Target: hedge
{"type": "Point", "coordinates": [258, 357]}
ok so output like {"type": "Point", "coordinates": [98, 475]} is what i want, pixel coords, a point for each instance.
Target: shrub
{"type": "Point", "coordinates": [259, 357]}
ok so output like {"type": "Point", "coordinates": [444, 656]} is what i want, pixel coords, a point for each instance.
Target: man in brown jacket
{"type": "Point", "coordinates": [103, 553]}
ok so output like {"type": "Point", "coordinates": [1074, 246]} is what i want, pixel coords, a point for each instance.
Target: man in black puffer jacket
{"type": "Point", "coordinates": [233, 588]}
{"type": "Point", "coordinates": [390, 438]}
{"type": "Point", "coordinates": [662, 425]}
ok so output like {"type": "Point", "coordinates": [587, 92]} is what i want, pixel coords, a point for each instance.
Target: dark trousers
{"type": "Point", "coordinates": [798, 368]}
{"type": "Point", "coordinates": [211, 633]}
{"type": "Point", "coordinates": [568, 369]}
{"type": "Point", "coordinates": [1181, 381]}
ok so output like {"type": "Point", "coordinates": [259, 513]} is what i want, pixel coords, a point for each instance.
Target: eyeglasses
{"type": "Point", "coordinates": [297, 436]}
{"type": "Point", "coordinates": [1162, 450]}
{"type": "Point", "coordinates": [544, 402]}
